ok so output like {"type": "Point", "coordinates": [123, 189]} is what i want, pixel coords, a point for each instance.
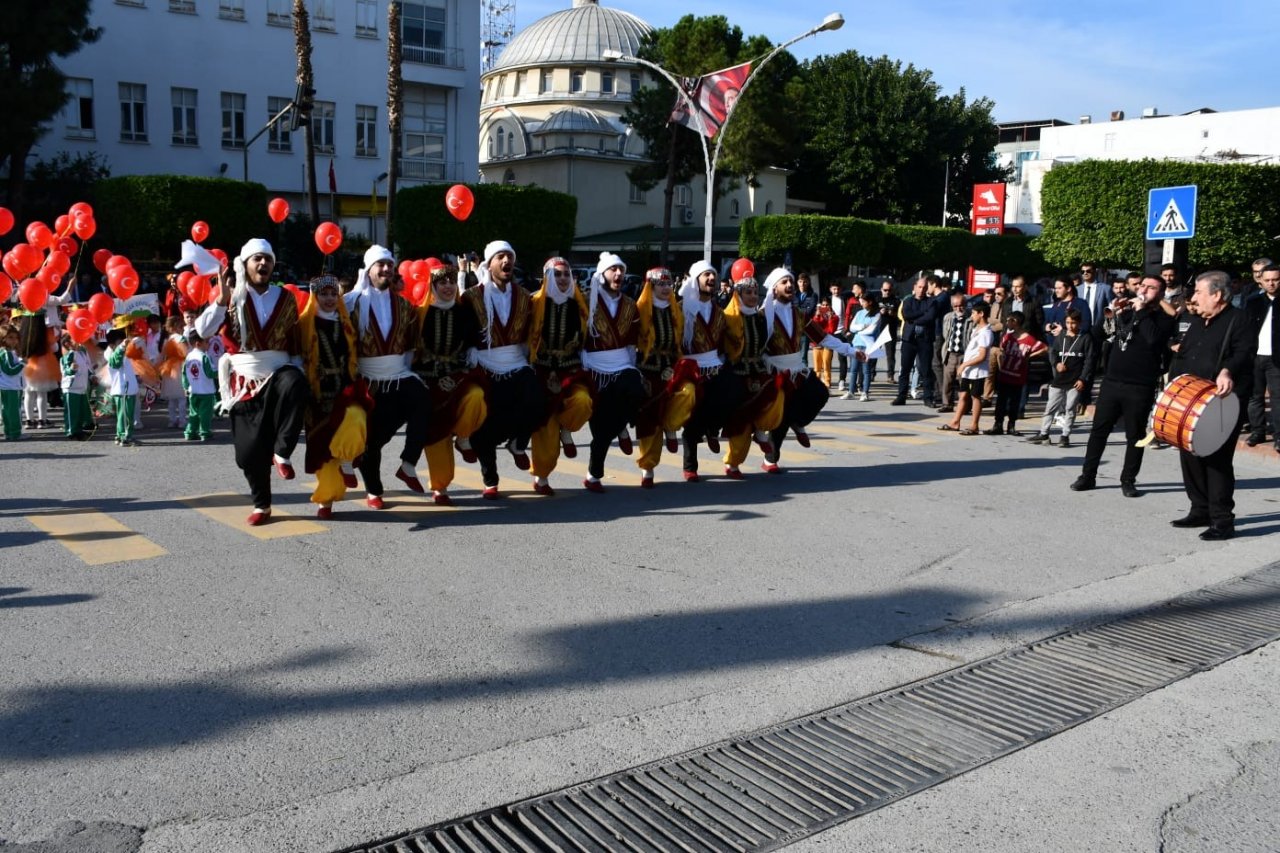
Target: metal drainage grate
{"type": "Point", "coordinates": [765, 789]}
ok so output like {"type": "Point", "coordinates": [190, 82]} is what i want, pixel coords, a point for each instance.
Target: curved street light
{"type": "Point", "coordinates": [710, 157]}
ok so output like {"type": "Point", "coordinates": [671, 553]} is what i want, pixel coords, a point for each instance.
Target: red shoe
{"type": "Point", "coordinates": [349, 479]}
{"type": "Point", "coordinates": [441, 499]}
{"type": "Point", "coordinates": [464, 448]}
{"type": "Point", "coordinates": [624, 443]}
{"type": "Point", "coordinates": [543, 489]}
{"type": "Point", "coordinates": [713, 444]}
{"type": "Point", "coordinates": [566, 442]}
{"type": "Point", "coordinates": [692, 477]}
{"type": "Point", "coordinates": [764, 443]}
{"type": "Point", "coordinates": [259, 517]}
{"type": "Point", "coordinates": [374, 502]}
{"type": "Point", "coordinates": [324, 513]}
{"type": "Point", "coordinates": [593, 486]}
{"type": "Point", "coordinates": [802, 437]}
{"type": "Point", "coordinates": [673, 445]}
{"type": "Point", "coordinates": [285, 469]}
{"type": "Point", "coordinates": [414, 484]}
{"type": "Point", "coordinates": [521, 459]}
{"type": "Point", "coordinates": [646, 482]}
{"type": "Point", "coordinates": [771, 468]}
{"type": "Point", "coordinates": [733, 473]}
{"type": "Point", "coordinates": [491, 493]}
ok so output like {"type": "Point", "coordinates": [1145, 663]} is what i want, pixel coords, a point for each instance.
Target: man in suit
{"type": "Point", "coordinates": [1021, 299]}
{"type": "Point", "coordinates": [919, 314]}
{"type": "Point", "coordinates": [1261, 313]}
{"type": "Point", "coordinates": [1095, 293]}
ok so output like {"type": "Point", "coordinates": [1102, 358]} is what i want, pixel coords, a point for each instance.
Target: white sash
{"type": "Point", "coordinates": [252, 369]}
{"type": "Point", "coordinates": [609, 361]}
{"type": "Point", "coordinates": [792, 362]}
{"type": "Point", "coordinates": [706, 360]}
{"type": "Point", "coordinates": [499, 361]}
{"type": "Point", "coordinates": [383, 368]}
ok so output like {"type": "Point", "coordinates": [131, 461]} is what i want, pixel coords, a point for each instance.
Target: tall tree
{"type": "Point", "coordinates": [395, 112]}
{"type": "Point", "coordinates": [306, 82]}
{"type": "Point", "coordinates": [32, 89]}
{"type": "Point", "coordinates": [882, 141]}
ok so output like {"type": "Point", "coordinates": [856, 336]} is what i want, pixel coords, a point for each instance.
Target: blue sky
{"type": "Point", "coordinates": [1034, 60]}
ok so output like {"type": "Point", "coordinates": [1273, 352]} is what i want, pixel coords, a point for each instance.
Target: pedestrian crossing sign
{"type": "Point", "coordinates": [1171, 213]}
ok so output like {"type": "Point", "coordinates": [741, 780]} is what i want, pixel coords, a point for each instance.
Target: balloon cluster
{"type": "Point", "coordinates": [417, 279]}
{"type": "Point", "coordinates": [41, 263]}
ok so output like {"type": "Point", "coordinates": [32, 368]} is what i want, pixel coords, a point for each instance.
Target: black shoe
{"type": "Point", "coordinates": [1083, 484]}
{"type": "Point", "coordinates": [1218, 533]}
{"type": "Point", "coordinates": [1129, 490]}
{"type": "Point", "coordinates": [1038, 438]}
{"type": "Point", "coordinates": [1190, 520]}
{"type": "Point", "coordinates": [946, 408]}
{"type": "Point", "coordinates": [897, 401]}
{"type": "Point", "coordinates": [1254, 440]}
{"type": "Point", "coordinates": [1064, 442]}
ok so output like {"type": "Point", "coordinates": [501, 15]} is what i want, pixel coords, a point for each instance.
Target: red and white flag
{"type": "Point", "coordinates": [333, 178]}
{"type": "Point", "coordinates": [714, 95]}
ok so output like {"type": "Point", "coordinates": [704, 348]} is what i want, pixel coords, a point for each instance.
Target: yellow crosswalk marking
{"type": "Point", "coordinates": [927, 427]}
{"type": "Point", "coordinates": [95, 537]}
{"type": "Point", "coordinates": [233, 510]}
{"type": "Point", "coordinates": [516, 484]}
{"type": "Point", "coordinates": [872, 434]}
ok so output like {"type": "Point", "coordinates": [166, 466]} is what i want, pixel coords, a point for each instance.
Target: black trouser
{"type": "Point", "coordinates": [613, 407]}
{"type": "Point", "coordinates": [919, 354]}
{"type": "Point", "coordinates": [1008, 404]}
{"type": "Point", "coordinates": [1266, 380]}
{"type": "Point", "coordinates": [516, 406]}
{"type": "Point", "coordinates": [843, 361]}
{"type": "Point", "coordinates": [1210, 482]}
{"type": "Point", "coordinates": [406, 403]}
{"type": "Point", "coordinates": [722, 394]}
{"type": "Point", "coordinates": [1119, 401]}
{"type": "Point", "coordinates": [268, 423]}
{"type": "Point", "coordinates": [802, 406]}
{"type": "Point", "coordinates": [937, 371]}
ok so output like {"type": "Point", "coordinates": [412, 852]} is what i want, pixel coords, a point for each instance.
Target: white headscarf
{"type": "Point", "coordinates": [691, 300]}
{"type": "Point", "coordinates": [770, 306]}
{"type": "Point", "coordinates": [607, 260]}
{"type": "Point", "coordinates": [490, 291]}
{"type": "Point", "coordinates": [554, 293]}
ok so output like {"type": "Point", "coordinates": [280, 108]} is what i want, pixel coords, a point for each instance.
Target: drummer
{"type": "Point", "coordinates": [1219, 346]}
{"type": "Point", "coordinates": [1143, 324]}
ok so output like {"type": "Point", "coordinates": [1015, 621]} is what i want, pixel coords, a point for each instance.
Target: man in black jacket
{"type": "Point", "coordinates": [1260, 309]}
{"type": "Point", "coordinates": [889, 310]}
{"type": "Point", "coordinates": [1219, 346]}
{"type": "Point", "coordinates": [1144, 325]}
{"type": "Point", "coordinates": [919, 315]}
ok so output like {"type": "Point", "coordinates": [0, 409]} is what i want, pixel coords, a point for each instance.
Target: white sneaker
{"type": "Point", "coordinates": [915, 394]}
{"type": "Point", "coordinates": [847, 395]}
{"type": "Point", "coordinates": [863, 397]}
{"type": "Point", "coordinates": [841, 386]}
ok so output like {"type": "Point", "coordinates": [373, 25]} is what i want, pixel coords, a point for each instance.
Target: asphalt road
{"type": "Point", "coordinates": [168, 671]}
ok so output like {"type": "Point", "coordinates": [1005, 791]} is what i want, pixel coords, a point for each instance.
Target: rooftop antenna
{"type": "Point", "coordinates": [496, 30]}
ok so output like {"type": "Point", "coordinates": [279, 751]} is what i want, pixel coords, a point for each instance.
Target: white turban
{"type": "Point", "coordinates": [770, 306]}
{"type": "Point", "coordinates": [607, 261]}
{"type": "Point", "coordinates": [691, 303]}
{"type": "Point", "coordinates": [377, 253]}
{"type": "Point", "coordinates": [495, 247]}
{"type": "Point", "coordinates": [256, 246]}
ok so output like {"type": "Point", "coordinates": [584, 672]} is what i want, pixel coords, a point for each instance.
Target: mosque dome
{"type": "Point", "coordinates": [576, 120]}
{"type": "Point", "coordinates": [574, 36]}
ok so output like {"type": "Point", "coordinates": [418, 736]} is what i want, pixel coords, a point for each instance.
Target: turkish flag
{"type": "Point", "coordinates": [713, 95]}
{"type": "Point", "coordinates": [333, 178]}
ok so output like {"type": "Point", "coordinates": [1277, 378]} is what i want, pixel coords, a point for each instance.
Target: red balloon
{"type": "Point", "coordinates": [6, 288]}
{"type": "Point", "coordinates": [742, 268]}
{"type": "Point", "coordinates": [66, 245]}
{"type": "Point", "coordinates": [39, 235]}
{"type": "Point", "coordinates": [197, 289]}
{"type": "Point", "coordinates": [6, 220]}
{"type": "Point", "coordinates": [434, 263]}
{"type": "Point", "coordinates": [100, 259]}
{"type": "Point", "coordinates": [59, 262]}
{"type": "Point", "coordinates": [27, 258]}
{"type": "Point", "coordinates": [278, 210]}
{"type": "Point", "coordinates": [123, 281]}
{"type": "Point", "coordinates": [328, 237]}
{"type": "Point", "coordinates": [11, 266]}
{"type": "Point", "coordinates": [417, 292]}
{"type": "Point", "coordinates": [199, 230]}
{"type": "Point", "coordinates": [49, 278]}
{"type": "Point", "coordinates": [85, 227]}
{"type": "Point", "coordinates": [81, 325]}
{"type": "Point", "coordinates": [33, 295]}
{"type": "Point", "coordinates": [80, 208]}
{"type": "Point", "coordinates": [117, 261]}
{"type": "Point", "coordinates": [62, 225]}
{"type": "Point", "coordinates": [459, 201]}
{"type": "Point", "coordinates": [405, 269]}
{"type": "Point", "coordinates": [220, 255]}
{"type": "Point", "coordinates": [101, 307]}
{"type": "Point", "coordinates": [419, 271]}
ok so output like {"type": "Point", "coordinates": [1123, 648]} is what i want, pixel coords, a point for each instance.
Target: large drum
{"type": "Point", "coordinates": [1191, 415]}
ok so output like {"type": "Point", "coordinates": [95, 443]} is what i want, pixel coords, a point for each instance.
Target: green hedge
{"type": "Point", "coordinates": [1096, 210]}
{"type": "Point", "coordinates": [921, 246]}
{"type": "Point", "coordinates": [1011, 253]}
{"type": "Point", "coordinates": [150, 215]}
{"type": "Point", "coordinates": [535, 221]}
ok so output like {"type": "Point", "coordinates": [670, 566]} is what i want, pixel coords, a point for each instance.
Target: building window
{"type": "Point", "coordinates": [322, 126]}
{"type": "Point", "coordinates": [187, 7]}
{"type": "Point", "coordinates": [232, 10]}
{"type": "Point", "coordinates": [575, 80]}
{"type": "Point", "coordinates": [637, 195]}
{"type": "Point", "coordinates": [322, 16]}
{"type": "Point", "coordinates": [278, 137]}
{"type": "Point", "coordinates": [1109, 142]}
{"type": "Point", "coordinates": [184, 116]}
{"type": "Point", "coordinates": [683, 195]}
{"type": "Point", "coordinates": [635, 81]}
{"type": "Point", "coordinates": [735, 209]}
{"type": "Point", "coordinates": [606, 82]}
{"type": "Point", "coordinates": [768, 208]}
{"type": "Point", "coordinates": [366, 131]}
{"type": "Point", "coordinates": [279, 13]}
{"type": "Point", "coordinates": [515, 84]}
{"type": "Point", "coordinates": [492, 147]}
{"type": "Point", "coordinates": [232, 120]}
{"type": "Point", "coordinates": [502, 139]}
{"type": "Point", "coordinates": [422, 27]}
{"type": "Point", "coordinates": [424, 131]}
{"type": "Point", "coordinates": [79, 109]}
{"type": "Point", "coordinates": [509, 177]}
{"type": "Point", "coordinates": [544, 82]}
{"type": "Point", "coordinates": [367, 18]}
{"type": "Point", "coordinates": [502, 87]}
{"type": "Point", "coordinates": [133, 112]}
{"type": "Point", "coordinates": [511, 143]}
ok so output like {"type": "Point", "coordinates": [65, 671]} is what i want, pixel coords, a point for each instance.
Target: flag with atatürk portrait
{"type": "Point", "coordinates": [713, 95]}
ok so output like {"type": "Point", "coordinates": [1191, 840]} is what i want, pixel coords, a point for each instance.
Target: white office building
{"type": "Point", "coordinates": [180, 86]}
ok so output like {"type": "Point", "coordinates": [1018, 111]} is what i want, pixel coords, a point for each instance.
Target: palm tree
{"type": "Point", "coordinates": [302, 46]}
{"type": "Point", "coordinates": [395, 112]}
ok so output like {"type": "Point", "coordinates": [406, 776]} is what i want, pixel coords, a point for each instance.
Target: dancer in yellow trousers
{"type": "Point", "coordinates": [761, 411]}
{"type": "Point", "coordinates": [456, 389]}
{"type": "Point", "coordinates": [337, 418]}
{"type": "Point", "coordinates": [555, 351]}
{"type": "Point", "coordinates": [669, 381]}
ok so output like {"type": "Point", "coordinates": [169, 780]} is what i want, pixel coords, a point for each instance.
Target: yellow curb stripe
{"type": "Point", "coordinates": [95, 537]}
{"type": "Point", "coordinates": [233, 510]}
{"type": "Point", "coordinates": [875, 436]}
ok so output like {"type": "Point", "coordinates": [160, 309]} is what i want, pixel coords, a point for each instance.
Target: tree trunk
{"type": "Point", "coordinates": [302, 46]}
{"type": "Point", "coordinates": [669, 197]}
{"type": "Point", "coordinates": [395, 108]}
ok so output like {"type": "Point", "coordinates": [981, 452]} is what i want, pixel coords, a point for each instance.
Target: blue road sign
{"type": "Point", "coordinates": [1171, 213]}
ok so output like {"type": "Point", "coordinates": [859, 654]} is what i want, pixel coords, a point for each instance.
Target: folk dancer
{"type": "Point", "coordinates": [261, 382]}
{"type": "Point", "coordinates": [555, 350]}
{"type": "Point", "coordinates": [705, 343]}
{"type": "Point", "coordinates": [670, 380]}
{"type": "Point", "coordinates": [761, 408]}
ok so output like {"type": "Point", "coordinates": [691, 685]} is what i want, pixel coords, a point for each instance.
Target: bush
{"type": "Point", "coordinates": [1096, 210]}
{"type": "Point", "coordinates": [150, 215]}
{"type": "Point", "coordinates": [535, 221]}
{"type": "Point", "coordinates": [813, 241]}
{"type": "Point", "coordinates": [913, 247]}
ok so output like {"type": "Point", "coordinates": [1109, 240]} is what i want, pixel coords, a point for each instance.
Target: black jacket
{"type": "Point", "coordinates": [1227, 340]}
{"type": "Point", "coordinates": [919, 316]}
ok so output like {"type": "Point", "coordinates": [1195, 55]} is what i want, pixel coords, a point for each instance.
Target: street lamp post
{"type": "Point", "coordinates": [711, 157]}
{"type": "Point", "coordinates": [373, 208]}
